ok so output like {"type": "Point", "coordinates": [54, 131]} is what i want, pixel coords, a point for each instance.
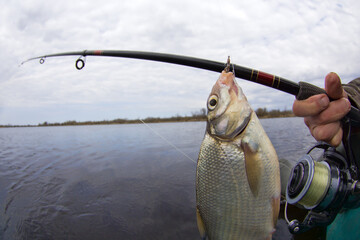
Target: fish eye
{"type": "Point", "coordinates": [213, 100]}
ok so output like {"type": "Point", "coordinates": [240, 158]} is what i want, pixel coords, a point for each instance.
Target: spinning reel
{"type": "Point", "coordinates": [325, 186]}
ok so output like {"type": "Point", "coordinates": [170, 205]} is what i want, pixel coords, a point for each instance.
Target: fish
{"type": "Point", "coordinates": [237, 174]}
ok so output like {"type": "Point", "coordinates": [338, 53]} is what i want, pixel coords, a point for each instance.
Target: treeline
{"type": "Point", "coordinates": [195, 116]}
{"type": "Point", "coordinates": [264, 113]}
{"type": "Point", "coordinates": [176, 118]}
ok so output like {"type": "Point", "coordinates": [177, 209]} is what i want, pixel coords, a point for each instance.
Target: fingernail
{"type": "Point", "coordinates": [324, 101]}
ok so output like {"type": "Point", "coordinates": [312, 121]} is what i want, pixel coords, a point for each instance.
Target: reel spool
{"type": "Point", "coordinates": [312, 184]}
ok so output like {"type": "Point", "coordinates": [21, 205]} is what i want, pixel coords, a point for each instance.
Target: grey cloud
{"type": "Point", "coordinates": [298, 40]}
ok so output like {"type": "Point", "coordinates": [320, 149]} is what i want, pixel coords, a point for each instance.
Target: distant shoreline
{"type": "Point", "coordinates": [196, 117]}
{"type": "Point", "coordinates": [112, 122]}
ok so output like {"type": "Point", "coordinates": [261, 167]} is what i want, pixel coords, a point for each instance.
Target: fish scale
{"type": "Point", "coordinates": [238, 180]}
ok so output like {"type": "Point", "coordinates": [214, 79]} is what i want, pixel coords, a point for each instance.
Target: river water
{"type": "Point", "coordinates": [112, 181]}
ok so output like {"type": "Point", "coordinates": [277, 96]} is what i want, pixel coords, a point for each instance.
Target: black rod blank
{"type": "Point", "coordinates": [301, 90]}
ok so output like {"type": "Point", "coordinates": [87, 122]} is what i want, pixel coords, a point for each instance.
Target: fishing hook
{"type": "Point", "coordinates": [227, 65]}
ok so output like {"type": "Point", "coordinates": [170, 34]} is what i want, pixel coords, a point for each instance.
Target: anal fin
{"type": "Point", "coordinates": [275, 204]}
{"type": "Point", "coordinates": [201, 225]}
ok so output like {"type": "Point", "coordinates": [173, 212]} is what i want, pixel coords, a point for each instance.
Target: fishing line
{"type": "Point", "coordinates": [285, 213]}
{"type": "Point", "coordinates": [167, 141]}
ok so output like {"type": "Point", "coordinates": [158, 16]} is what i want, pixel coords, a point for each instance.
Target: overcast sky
{"type": "Point", "coordinates": [297, 40]}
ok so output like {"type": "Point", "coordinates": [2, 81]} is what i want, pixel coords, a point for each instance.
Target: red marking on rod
{"type": "Point", "coordinates": [266, 79]}
{"type": "Point", "coordinates": [98, 52]}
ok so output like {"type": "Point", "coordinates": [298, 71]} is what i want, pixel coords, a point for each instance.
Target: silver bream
{"type": "Point", "coordinates": [238, 177]}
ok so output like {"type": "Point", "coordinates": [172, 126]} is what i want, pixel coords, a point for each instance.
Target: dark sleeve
{"type": "Point", "coordinates": [353, 91]}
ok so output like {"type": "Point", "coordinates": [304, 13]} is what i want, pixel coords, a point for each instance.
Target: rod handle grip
{"type": "Point", "coordinates": [307, 90]}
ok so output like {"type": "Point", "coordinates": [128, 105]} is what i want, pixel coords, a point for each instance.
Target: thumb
{"type": "Point", "coordinates": [333, 86]}
{"type": "Point", "coordinates": [311, 106]}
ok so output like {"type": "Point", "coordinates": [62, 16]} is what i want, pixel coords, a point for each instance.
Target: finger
{"type": "Point", "coordinates": [333, 86]}
{"type": "Point", "coordinates": [336, 140]}
{"type": "Point", "coordinates": [337, 110]}
{"type": "Point", "coordinates": [311, 106]}
{"type": "Point", "coordinates": [325, 132]}
{"type": "Point", "coordinates": [331, 133]}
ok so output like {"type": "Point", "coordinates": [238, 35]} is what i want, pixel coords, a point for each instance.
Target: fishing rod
{"type": "Point", "coordinates": [342, 171]}
{"type": "Point", "coordinates": [301, 90]}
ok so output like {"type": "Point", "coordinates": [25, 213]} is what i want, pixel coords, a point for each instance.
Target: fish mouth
{"type": "Point", "coordinates": [229, 81]}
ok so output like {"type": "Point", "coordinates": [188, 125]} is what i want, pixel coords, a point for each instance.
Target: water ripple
{"type": "Point", "coordinates": [110, 182]}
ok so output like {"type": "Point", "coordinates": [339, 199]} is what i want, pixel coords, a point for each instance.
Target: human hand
{"type": "Point", "coordinates": [322, 116]}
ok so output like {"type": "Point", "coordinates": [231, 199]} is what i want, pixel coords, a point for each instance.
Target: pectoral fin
{"type": "Point", "coordinates": [200, 225]}
{"type": "Point", "coordinates": [253, 165]}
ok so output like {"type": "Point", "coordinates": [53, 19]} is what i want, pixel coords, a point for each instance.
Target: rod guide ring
{"type": "Point", "coordinates": [79, 64]}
